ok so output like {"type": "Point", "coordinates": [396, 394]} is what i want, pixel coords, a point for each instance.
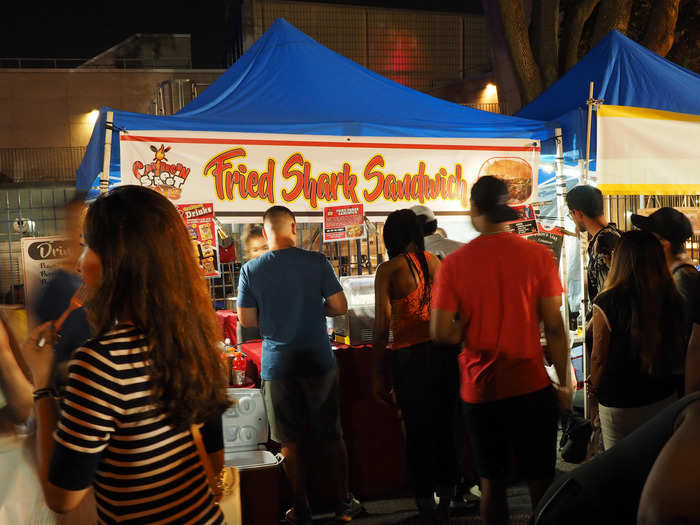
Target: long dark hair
{"type": "Point", "coordinates": [402, 234]}
{"type": "Point", "coordinates": [639, 270]}
{"type": "Point", "coordinates": [149, 273]}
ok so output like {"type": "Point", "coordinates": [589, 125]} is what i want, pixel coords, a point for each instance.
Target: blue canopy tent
{"type": "Point", "coordinates": [625, 74]}
{"type": "Point", "coordinates": [289, 83]}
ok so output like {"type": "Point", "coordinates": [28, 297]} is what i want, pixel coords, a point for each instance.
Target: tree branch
{"type": "Point", "coordinates": [612, 14]}
{"type": "Point", "coordinates": [544, 37]}
{"type": "Point", "coordinates": [516, 33]}
{"type": "Point", "coordinates": [576, 18]}
{"type": "Point", "coordinates": [662, 23]}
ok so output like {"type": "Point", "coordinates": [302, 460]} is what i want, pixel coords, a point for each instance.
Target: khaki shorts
{"type": "Point", "coordinates": [300, 405]}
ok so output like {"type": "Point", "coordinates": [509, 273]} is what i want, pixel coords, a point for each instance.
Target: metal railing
{"type": "Point", "coordinates": [26, 211]}
{"type": "Point", "coordinates": [173, 95]}
{"type": "Point", "coordinates": [360, 257]}
{"type": "Point", "coordinates": [619, 209]}
{"type": "Point", "coordinates": [184, 62]}
{"type": "Point", "coordinates": [492, 107]}
{"type": "Point", "coordinates": [22, 165]}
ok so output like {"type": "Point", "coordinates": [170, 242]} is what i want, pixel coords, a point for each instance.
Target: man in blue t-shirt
{"type": "Point", "coordinates": [287, 293]}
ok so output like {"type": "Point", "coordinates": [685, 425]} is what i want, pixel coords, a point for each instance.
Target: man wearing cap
{"type": "Point", "coordinates": [436, 244]}
{"type": "Point", "coordinates": [673, 229]}
{"type": "Point", "coordinates": [491, 295]}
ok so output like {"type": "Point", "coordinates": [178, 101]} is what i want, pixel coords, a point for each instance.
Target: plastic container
{"type": "Point", "coordinates": [245, 430]}
{"type": "Point", "coordinates": [227, 358]}
{"type": "Point", "coordinates": [238, 368]}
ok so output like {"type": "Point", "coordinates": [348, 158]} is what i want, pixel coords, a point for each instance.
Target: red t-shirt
{"type": "Point", "coordinates": [494, 282]}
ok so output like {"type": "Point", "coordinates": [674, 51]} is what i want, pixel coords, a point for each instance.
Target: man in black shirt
{"type": "Point", "coordinates": [586, 209]}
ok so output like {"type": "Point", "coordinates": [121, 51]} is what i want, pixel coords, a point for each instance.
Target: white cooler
{"type": "Point", "coordinates": [246, 432]}
{"type": "Point", "coordinates": [245, 435]}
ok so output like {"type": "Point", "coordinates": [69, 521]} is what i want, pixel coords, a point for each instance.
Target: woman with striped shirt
{"type": "Point", "coordinates": [124, 422]}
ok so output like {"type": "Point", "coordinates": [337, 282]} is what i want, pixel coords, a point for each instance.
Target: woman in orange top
{"type": "Point", "coordinates": [424, 385]}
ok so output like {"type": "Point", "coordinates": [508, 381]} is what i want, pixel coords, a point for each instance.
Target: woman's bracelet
{"type": "Point", "coordinates": [44, 392]}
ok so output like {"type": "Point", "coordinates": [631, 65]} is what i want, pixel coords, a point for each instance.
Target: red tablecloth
{"type": "Point", "coordinates": [228, 320]}
{"type": "Point", "coordinates": [253, 351]}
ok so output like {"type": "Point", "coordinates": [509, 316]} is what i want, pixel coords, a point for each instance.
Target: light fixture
{"type": "Point", "coordinates": [91, 117]}
{"type": "Point", "coordinates": [490, 89]}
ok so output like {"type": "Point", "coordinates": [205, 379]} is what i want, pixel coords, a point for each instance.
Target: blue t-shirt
{"type": "Point", "coordinates": [288, 287]}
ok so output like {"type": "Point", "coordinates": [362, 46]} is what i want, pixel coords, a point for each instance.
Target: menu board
{"type": "Point", "coordinates": [552, 239]}
{"type": "Point", "coordinates": [343, 223]}
{"type": "Point", "coordinates": [199, 219]}
{"type": "Point", "coordinates": [41, 258]}
{"type": "Point", "coordinates": [525, 224]}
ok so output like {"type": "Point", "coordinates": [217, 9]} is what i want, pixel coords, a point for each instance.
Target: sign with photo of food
{"type": "Point", "coordinates": [516, 172]}
{"type": "Point", "coordinates": [526, 223]}
{"type": "Point", "coordinates": [245, 174]}
{"type": "Point", "coordinates": [199, 220]}
{"type": "Point", "coordinates": [343, 223]}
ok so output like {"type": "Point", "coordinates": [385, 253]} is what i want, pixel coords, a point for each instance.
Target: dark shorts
{"type": "Point", "coordinates": [522, 427]}
{"type": "Point", "coordinates": [300, 405]}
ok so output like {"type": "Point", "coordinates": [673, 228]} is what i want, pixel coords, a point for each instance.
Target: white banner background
{"type": "Point", "coordinates": [646, 152]}
{"type": "Point", "coordinates": [244, 174]}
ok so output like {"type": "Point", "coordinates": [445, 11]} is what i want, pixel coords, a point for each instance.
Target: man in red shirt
{"type": "Point", "coordinates": [491, 296]}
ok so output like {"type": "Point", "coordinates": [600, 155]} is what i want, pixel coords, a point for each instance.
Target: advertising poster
{"type": "Point", "coordinates": [343, 223]}
{"type": "Point", "coordinates": [526, 224]}
{"type": "Point", "coordinates": [552, 239]}
{"type": "Point", "coordinates": [41, 258]}
{"type": "Point", "coordinates": [246, 173]}
{"type": "Point", "coordinates": [199, 219]}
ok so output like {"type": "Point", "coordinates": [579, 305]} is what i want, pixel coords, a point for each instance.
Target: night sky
{"type": "Point", "coordinates": [64, 30]}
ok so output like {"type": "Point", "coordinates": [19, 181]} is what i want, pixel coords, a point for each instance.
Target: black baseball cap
{"type": "Point", "coordinates": [490, 194]}
{"type": "Point", "coordinates": [667, 223]}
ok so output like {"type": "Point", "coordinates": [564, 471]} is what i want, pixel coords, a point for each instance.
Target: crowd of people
{"type": "Point", "coordinates": [467, 323]}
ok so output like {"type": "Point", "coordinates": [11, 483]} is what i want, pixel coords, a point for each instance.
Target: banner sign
{"type": "Point", "coordinates": [647, 152]}
{"type": "Point", "coordinates": [343, 223]}
{"type": "Point", "coordinates": [41, 258]}
{"type": "Point", "coordinates": [244, 174]}
{"type": "Point", "coordinates": [199, 219]}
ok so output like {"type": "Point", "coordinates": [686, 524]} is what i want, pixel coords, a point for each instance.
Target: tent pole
{"type": "Point", "coordinates": [583, 306]}
{"type": "Point", "coordinates": [561, 202]}
{"type": "Point", "coordinates": [589, 103]}
{"type": "Point", "coordinates": [104, 176]}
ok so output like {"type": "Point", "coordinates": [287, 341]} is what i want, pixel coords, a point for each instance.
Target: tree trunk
{"type": "Point", "coordinates": [612, 14]}
{"type": "Point", "coordinates": [544, 37]}
{"type": "Point", "coordinates": [517, 38]}
{"type": "Point", "coordinates": [508, 92]}
{"type": "Point", "coordinates": [576, 17]}
{"type": "Point", "coordinates": [662, 25]}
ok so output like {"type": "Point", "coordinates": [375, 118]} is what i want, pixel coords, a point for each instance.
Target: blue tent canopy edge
{"type": "Point", "coordinates": [288, 83]}
{"type": "Point", "coordinates": [624, 73]}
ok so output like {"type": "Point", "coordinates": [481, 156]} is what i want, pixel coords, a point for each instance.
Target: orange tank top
{"type": "Point", "coordinates": [410, 321]}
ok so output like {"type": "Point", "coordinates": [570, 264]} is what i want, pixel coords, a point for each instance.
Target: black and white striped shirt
{"type": "Point", "coordinates": [111, 435]}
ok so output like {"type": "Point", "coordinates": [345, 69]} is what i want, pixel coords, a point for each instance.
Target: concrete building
{"type": "Point", "coordinates": [47, 110]}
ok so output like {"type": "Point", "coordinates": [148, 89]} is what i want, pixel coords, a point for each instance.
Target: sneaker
{"type": "Point", "coordinates": [292, 518]}
{"type": "Point", "coordinates": [475, 491]}
{"type": "Point", "coordinates": [349, 510]}
{"type": "Point", "coordinates": [469, 500]}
